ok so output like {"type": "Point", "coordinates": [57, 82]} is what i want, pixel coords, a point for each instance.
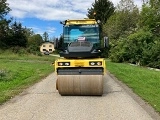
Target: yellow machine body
{"type": "Point", "coordinates": [80, 63]}
{"type": "Point", "coordinates": [77, 82]}
{"type": "Point", "coordinates": [80, 69]}
{"type": "Point", "coordinates": [81, 22]}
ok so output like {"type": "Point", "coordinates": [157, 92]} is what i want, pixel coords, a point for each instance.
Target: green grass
{"type": "Point", "coordinates": [12, 56]}
{"type": "Point", "coordinates": [144, 82]}
{"type": "Point", "coordinates": [19, 72]}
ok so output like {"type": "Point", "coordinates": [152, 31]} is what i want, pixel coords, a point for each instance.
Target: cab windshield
{"type": "Point", "coordinates": [81, 33]}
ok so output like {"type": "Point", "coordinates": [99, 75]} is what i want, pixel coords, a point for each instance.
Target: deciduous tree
{"type": "Point", "coordinates": [124, 21]}
{"type": "Point", "coordinates": [4, 23]}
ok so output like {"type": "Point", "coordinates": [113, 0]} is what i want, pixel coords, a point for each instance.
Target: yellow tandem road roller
{"type": "Point", "coordinates": [80, 68]}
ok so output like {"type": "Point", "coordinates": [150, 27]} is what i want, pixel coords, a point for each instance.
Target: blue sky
{"type": "Point", "coordinates": [45, 15]}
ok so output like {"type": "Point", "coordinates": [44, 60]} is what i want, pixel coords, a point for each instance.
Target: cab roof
{"type": "Point", "coordinates": [81, 22]}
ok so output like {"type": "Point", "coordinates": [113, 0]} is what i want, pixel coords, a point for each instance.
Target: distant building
{"type": "Point", "coordinates": [47, 46]}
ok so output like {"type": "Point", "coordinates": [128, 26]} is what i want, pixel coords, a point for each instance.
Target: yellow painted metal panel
{"type": "Point", "coordinates": [81, 22]}
{"type": "Point", "coordinates": [80, 63]}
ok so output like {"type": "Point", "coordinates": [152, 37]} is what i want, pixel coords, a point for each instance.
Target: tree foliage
{"type": "Point", "coordinates": [131, 48]}
{"type": "Point", "coordinates": [33, 43]}
{"type": "Point", "coordinates": [155, 4]}
{"type": "Point", "coordinates": [35, 39]}
{"type": "Point", "coordinates": [11, 34]}
{"type": "Point", "coordinates": [123, 21]}
{"type": "Point", "coordinates": [150, 17]}
{"type": "Point", "coordinates": [126, 5]}
{"type": "Point", "coordinates": [4, 23]}
{"type": "Point", "coordinates": [18, 37]}
{"type": "Point", "coordinates": [14, 35]}
{"type": "Point", "coordinates": [101, 10]}
{"type": "Point", "coordinates": [135, 35]}
{"type": "Point", "coordinates": [4, 9]}
{"type": "Point", "coordinates": [45, 36]}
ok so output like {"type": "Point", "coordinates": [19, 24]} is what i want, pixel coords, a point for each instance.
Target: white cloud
{"type": "Point", "coordinates": [52, 9]}
{"type": "Point", "coordinates": [38, 30]}
{"type": "Point", "coordinates": [50, 30]}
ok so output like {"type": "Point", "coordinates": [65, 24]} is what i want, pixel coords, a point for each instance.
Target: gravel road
{"type": "Point", "coordinates": [42, 102]}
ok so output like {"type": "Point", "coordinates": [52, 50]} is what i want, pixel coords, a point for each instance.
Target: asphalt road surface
{"type": "Point", "coordinates": [43, 102]}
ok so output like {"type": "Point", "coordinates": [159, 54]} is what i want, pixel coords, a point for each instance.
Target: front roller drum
{"type": "Point", "coordinates": [80, 84]}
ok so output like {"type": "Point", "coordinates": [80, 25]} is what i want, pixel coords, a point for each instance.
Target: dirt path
{"type": "Point", "coordinates": [42, 102]}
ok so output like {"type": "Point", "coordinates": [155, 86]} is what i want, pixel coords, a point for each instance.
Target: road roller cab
{"type": "Point", "coordinates": [80, 68]}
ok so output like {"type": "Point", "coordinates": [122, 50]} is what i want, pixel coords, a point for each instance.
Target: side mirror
{"type": "Point", "coordinates": [106, 42]}
{"type": "Point", "coordinates": [56, 43]}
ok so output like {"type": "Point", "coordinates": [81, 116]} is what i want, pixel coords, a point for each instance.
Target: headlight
{"type": "Point", "coordinates": [63, 63]}
{"type": "Point", "coordinates": [66, 64]}
{"type": "Point", "coordinates": [60, 64]}
{"type": "Point", "coordinates": [92, 63]}
{"type": "Point", "coordinates": [95, 63]}
{"type": "Point", "coordinates": [99, 63]}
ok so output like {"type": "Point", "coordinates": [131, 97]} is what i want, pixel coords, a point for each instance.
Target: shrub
{"type": "Point", "coordinates": [151, 55]}
{"type": "Point", "coordinates": [4, 75]}
{"type": "Point", "coordinates": [118, 50]}
{"type": "Point", "coordinates": [132, 48]}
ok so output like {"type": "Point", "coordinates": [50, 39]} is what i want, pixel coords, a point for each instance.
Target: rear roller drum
{"type": "Point", "coordinates": [80, 84]}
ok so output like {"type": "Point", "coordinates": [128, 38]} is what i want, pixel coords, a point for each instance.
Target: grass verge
{"type": "Point", "coordinates": [144, 82]}
{"type": "Point", "coordinates": [19, 72]}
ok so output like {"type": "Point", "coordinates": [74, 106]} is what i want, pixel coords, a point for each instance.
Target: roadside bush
{"type": "Point", "coordinates": [32, 49]}
{"type": "Point", "coordinates": [118, 51]}
{"type": "Point", "coordinates": [22, 52]}
{"type": "Point", "coordinates": [19, 50]}
{"type": "Point", "coordinates": [132, 48]}
{"type": "Point", "coordinates": [151, 55]}
{"type": "Point", "coordinates": [105, 53]}
{"type": "Point", "coordinates": [4, 75]}
{"type": "Point", "coordinates": [137, 43]}
{"type": "Point", "coordinates": [39, 53]}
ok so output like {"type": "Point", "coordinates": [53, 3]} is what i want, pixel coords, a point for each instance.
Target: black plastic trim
{"type": "Point", "coordinates": [80, 71]}
{"type": "Point", "coordinates": [79, 54]}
